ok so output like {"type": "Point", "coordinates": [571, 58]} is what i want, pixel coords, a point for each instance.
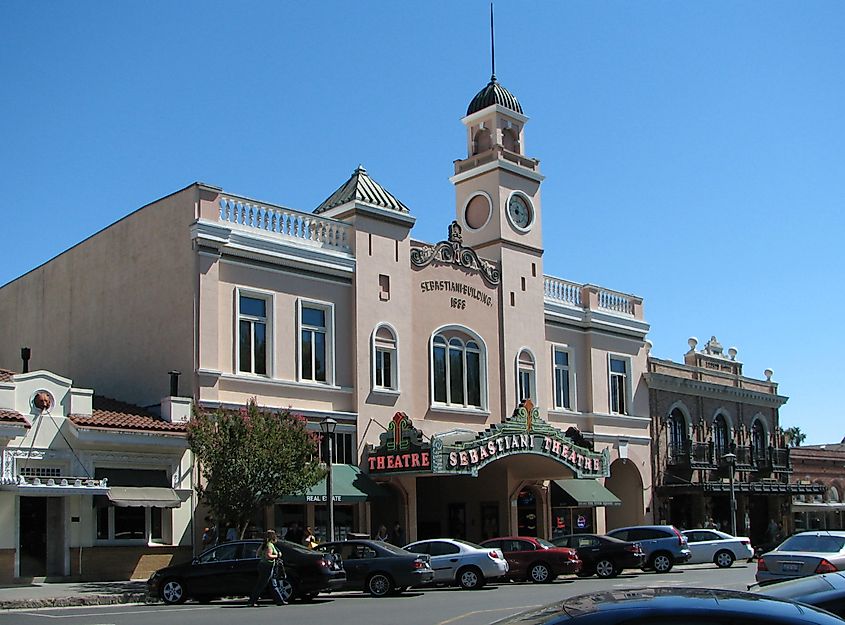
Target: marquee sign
{"type": "Point", "coordinates": [524, 433]}
{"type": "Point", "coordinates": [401, 449]}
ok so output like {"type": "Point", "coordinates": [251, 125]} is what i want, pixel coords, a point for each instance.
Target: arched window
{"type": "Point", "coordinates": [720, 437]}
{"type": "Point", "coordinates": [758, 443]}
{"type": "Point", "coordinates": [482, 141]}
{"type": "Point", "coordinates": [677, 433]}
{"type": "Point", "coordinates": [510, 139]}
{"type": "Point", "coordinates": [526, 376]}
{"type": "Point", "coordinates": [457, 365]}
{"type": "Point", "coordinates": [833, 494]}
{"type": "Point", "coordinates": [385, 359]}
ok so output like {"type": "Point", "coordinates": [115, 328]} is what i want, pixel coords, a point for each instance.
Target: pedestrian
{"type": "Point", "coordinates": [382, 533]}
{"type": "Point", "coordinates": [231, 533]}
{"type": "Point", "coordinates": [209, 533]}
{"type": "Point", "coordinates": [295, 533]}
{"type": "Point", "coordinates": [310, 540]}
{"type": "Point", "coordinates": [268, 557]}
{"type": "Point", "coordinates": [397, 536]}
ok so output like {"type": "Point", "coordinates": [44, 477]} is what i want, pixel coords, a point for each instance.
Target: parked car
{"type": "Point", "coordinates": [709, 545]}
{"type": "Point", "coordinates": [671, 606]}
{"type": "Point", "coordinates": [825, 591]}
{"type": "Point", "coordinates": [230, 570]}
{"type": "Point", "coordinates": [535, 559]}
{"type": "Point", "coordinates": [378, 567]}
{"type": "Point", "coordinates": [460, 562]}
{"type": "Point", "coordinates": [807, 553]}
{"type": "Point", "coordinates": [664, 545]}
{"type": "Point", "coordinates": [603, 556]}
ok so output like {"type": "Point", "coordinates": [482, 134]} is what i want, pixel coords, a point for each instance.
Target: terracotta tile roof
{"type": "Point", "coordinates": [6, 375]}
{"type": "Point", "coordinates": [116, 415]}
{"type": "Point", "coordinates": [12, 416]}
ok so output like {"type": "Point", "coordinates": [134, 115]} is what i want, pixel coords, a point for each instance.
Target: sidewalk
{"type": "Point", "coordinates": [48, 594]}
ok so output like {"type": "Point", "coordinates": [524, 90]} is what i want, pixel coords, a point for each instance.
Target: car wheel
{"type": "Point", "coordinates": [540, 574]}
{"type": "Point", "coordinates": [724, 559]}
{"type": "Point", "coordinates": [470, 578]}
{"type": "Point", "coordinates": [286, 589]}
{"type": "Point", "coordinates": [173, 592]}
{"type": "Point", "coordinates": [605, 569]}
{"type": "Point", "coordinates": [379, 585]}
{"type": "Point", "coordinates": [661, 562]}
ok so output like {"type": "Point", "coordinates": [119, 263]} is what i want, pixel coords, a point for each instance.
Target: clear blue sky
{"type": "Point", "coordinates": [694, 151]}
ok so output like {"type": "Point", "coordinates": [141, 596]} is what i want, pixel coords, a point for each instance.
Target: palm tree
{"type": "Point", "coordinates": [794, 436]}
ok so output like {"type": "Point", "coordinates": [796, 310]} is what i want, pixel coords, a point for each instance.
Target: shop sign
{"type": "Point", "coordinates": [524, 433]}
{"type": "Point", "coordinates": [401, 449]}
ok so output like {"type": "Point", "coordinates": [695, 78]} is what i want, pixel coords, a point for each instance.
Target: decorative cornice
{"type": "Point", "coordinates": [453, 252]}
{"type": "Point", "coordinates": [664, 382]}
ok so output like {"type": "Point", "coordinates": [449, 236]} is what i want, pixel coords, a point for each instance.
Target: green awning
{"type": "Point", "coordinates": [586, 492]}
{"type": "Point", "coordinates": [349, 485]}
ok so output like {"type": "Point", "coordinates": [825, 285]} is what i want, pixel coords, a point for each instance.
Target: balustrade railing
{"type": "Point", "coordinates": [324, 232]}
{"type": "Point", "coordinates": [562, 290]}
{"type": "Point", "coordinates": [589, 296]}
{"type": "Point", "coordinates": [617, 302]}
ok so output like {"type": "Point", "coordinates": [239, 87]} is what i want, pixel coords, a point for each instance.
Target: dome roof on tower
{"type": "Point", "coordinates": [494, 93]}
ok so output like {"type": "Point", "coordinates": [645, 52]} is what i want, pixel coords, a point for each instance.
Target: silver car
{"type": "Point", "coordinates": [803, 554]}
{"type": "Point", "coordinates": [708, 545]}
{"type": "Point", "coordinates": [460, 562]}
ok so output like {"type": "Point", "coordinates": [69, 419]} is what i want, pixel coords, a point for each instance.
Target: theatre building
{"type": "Point", "coordinates": [475, 393]}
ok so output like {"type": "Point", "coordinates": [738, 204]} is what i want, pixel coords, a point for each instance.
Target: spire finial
{"type": "Point", "coordinates": [492, 46]}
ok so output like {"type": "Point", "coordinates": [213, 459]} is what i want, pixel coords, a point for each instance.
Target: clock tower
{"type": "Point", "coordinates": [497, 187]}
{"type": "Point", "coordinates": [497, 191]}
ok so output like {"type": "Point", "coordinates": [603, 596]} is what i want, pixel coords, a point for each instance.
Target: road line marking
{"type": "Point", "coordinates": [466, 614]}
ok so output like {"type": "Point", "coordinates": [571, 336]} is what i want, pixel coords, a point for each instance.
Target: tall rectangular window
{"type": "Point", "coordinates": [385, 362]}
{"type": "Point", "coordinates": [252, 335]}
{"type": "Point", "coordinates": [343, 448]}
{"type": "Point", "coordinates": [618, 385]}
{"type": "Point", "coordinates": [563, 395]}
{"type": "Point", "coordinates": [314, 342]}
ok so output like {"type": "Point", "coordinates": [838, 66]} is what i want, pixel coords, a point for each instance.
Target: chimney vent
{"type": "Point", "coordinates": [25, 354]}
{"type": "Point", "coordinates": [174, 382]}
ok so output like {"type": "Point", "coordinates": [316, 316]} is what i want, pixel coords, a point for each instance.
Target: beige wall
{"type": "Point", "coordinates": [114, 311]}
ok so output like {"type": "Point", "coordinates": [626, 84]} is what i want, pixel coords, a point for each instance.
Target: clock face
{"type": "Point", "coordinates": [519, 211]}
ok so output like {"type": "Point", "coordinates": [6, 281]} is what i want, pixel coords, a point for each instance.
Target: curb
{"type": "Point", "coordinates": [76, 601]}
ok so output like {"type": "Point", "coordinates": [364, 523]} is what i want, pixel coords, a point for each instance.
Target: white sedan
{"type": "Point", "coordinates": [722, 549]}
{"type": "Point", "coordinates": [461, 562]}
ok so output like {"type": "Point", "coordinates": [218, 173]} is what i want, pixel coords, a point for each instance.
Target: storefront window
{"type": "Point", "coordinates": [572, 521]}
{"type": "Point", "coordinates": [342, 522]}
{"type": "Point", "coordinates": [129, 523]}
{"type": "Point", "coordinates": [526, 513]}
{"type": "Point", "coordinates": [286, 515]}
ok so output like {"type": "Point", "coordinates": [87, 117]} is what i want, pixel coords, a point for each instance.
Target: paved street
{"type": "Point", "coordinates": [439, 606]}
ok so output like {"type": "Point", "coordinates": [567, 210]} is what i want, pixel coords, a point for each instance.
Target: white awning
{"type": "Point", "coordinates": [144, 497]}
{"type": "Point", "coordinates": [816, 506]}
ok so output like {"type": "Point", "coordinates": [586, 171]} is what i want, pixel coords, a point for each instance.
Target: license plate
{"type": "Point", "coordinates": [791, 567]}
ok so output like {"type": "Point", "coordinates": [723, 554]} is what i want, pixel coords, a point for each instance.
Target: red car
{"type": "Point", "coordinates": [535, 559]}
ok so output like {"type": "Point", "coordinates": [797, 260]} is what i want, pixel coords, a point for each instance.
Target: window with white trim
{"type": "Point", "coordinates": [136, 524]}
{"type": "Point", "coordinates": [526, 376]}
{"type": "Point", "coordinates": [385, 359]}
{"type": "Point", "coordinates": [618, 384]}
{"type": "Point", "coordinates": [563, 378]}
{"type": "Point", "coordinates": [315, 342]}
{"type": "Point", "coordinates": [457, 365]}
{"type": "Point", "coordinates": [343, 448]}
{"type": "Point", "coordinates": [252, 333]}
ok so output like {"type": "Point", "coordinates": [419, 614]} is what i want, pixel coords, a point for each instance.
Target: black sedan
{"type": "Point", "coordinates": [826, 591]}
{"type": "Point", "coordinates": [603, 555]}
{"type": "Point", "coordinates": [673, 606]}
{"type": "Point", "coordinates": [379, 568]}
{"type": "Point", "coordinates": [230, 570]}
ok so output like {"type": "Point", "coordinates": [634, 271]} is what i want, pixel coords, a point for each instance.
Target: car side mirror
{"type": "Point", "coordinates": [195, 561]}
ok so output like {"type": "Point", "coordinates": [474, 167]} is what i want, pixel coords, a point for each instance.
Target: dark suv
{"type": "Point", "coordinates": [664, 545]}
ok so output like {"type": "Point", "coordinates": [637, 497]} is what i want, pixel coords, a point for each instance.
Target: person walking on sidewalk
{"type": "Point", "coordinates": [268, 556]}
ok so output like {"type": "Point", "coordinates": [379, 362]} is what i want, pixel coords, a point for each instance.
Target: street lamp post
{"type": "Point", "coordinates": [328, 426]}
{"type": "Point", "coordinates": [730, 458]}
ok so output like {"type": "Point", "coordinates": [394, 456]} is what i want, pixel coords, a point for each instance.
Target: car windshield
{"type": "Point", "coordinates": [813, 543]}
{"type": "Point", "coordinates": [546, 544]}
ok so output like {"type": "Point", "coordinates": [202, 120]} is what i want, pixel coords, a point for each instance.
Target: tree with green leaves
{"type": "Point", "coordinates": [794, 436]}
{"type": "Point", "coordinates": [250, 458]}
